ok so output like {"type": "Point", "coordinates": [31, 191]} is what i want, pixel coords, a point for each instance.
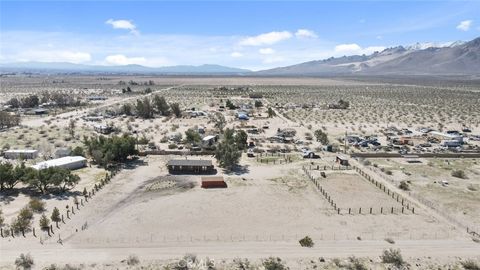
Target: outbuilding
{"type": "Point", "coordinates": [342, 160]}
{"type": "Point", "coordinates": [21, 153]}
{"type": "Point", "coordinates": [71, 163]}
{"type": "Point", "coordinates": [213, 182]}
{"type": "Point", "coordinates": [190, 166]}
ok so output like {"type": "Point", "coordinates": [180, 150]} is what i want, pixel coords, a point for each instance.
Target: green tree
{"type": "Point", "coordinates": [219, 121]}
{"type": "Point", "coordinates": [192, 136]}
{"type": "Point", "coordinates": [230, 105]}
{"type": "Point", "coordinates": [44, 223]}
{"type": "Point", "coordinates": [144, 108]}
{"type": "Point", "coordinates": [6, 175]}
{"type": "Point", "coordinates": [78, 151]}
{"type": "Point", "coordinates": [227, 152]}
{"type": "Point", "coordinates": [161, 105]}
{"type": "Point", "coordinates": [271, 113]}
{"type": "Point", "coordinates": [258, 104]}
{"type": "Point", "coordinates": [241, 138]}
{"type": "Point", "coordinates": [176, 109]}
{"type": "Point", "coordinates": [321, 136]}
{"type": "Point", "coordinates": [56, 216]}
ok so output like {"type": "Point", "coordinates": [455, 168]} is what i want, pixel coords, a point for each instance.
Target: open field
{"type": "Point", "coordinates": [269, 203]}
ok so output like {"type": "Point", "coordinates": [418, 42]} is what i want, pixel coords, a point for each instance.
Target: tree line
{"type": "Point", "coordinates": [8, 120]}
{"type": "Point", "coordinates": [107, 150]}
{"type": "Point", "coordinates": [45, 180]}
{"type": "Point", "coordinates": [146, 108]}
{"type": "Point", "coordinates": [60, 99]}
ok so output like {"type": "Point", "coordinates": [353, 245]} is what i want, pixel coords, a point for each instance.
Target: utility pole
{"type": "Point", "coordinates": [345, 143]}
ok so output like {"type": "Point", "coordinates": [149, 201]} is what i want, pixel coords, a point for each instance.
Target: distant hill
{"type": "Point", "coordinates": [62, 67]}
{"type": "Point", "coordinates": [458, 58]}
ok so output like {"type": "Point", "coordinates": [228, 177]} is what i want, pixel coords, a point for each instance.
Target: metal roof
{"type": "Point", "coordinates": [59, 162]}
{"type": "Point", "coordinates": [189, 162]}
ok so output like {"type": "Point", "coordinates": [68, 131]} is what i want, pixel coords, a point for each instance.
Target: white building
{"type": "Point", "coordinates": [446, 136]}
{"type": "Point", "coordinates": [21, 153]}
{"type": "Point", "coordinates": [72, 163]}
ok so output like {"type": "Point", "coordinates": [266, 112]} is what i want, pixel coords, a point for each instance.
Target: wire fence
{"type": "Point", "coordinates": [471, 229]}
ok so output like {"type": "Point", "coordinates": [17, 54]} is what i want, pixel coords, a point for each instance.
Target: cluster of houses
{"type": "Point", "coordinates": [62, 160]}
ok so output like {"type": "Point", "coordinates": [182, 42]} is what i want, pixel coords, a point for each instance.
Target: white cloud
{"type": "Point", "coordinates": [353, 48]}
{"type": "Point", "coordinates": [236, 54]}
{"type": "Point", "coordinates": [123, 24]}
{"type": "Point", "coordinates": [266, 51]}
{"type": "Point", "coordinates": [266, 39]}
{"type": "Point", "coordinates": [465, 25]}
{"type": "Point", "coordinates": [121, 60]}
{"type": "Point", "coordinates": [305, 33]}
{"type": "Point", "coordinates": [54, 56]}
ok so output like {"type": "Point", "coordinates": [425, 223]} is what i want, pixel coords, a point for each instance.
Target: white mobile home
{"type": "Point", "coordinates": [72, 163]}
{"type": "Point", "coordinates": [21, 153]}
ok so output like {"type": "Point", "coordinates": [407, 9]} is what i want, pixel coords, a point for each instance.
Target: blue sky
{"type": "Point", "coordinates": [248, 34]}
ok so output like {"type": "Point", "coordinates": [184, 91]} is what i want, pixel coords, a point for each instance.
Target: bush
{"type": "Point", "coordinates": [392, 256]}
{"type": "Point", "coordinates": [306, 242]}
{"type": "Point", "coordinates": [459, 174]}
{"type": "Point", "coordinates": [274, 264]}
{"type": "Point", "coordinates": [470, 265]}
{"type": "Point", "coordinates": [356, 264]}
{"type": "Point", "coordinates": [24, 261]}
{"type": "Point", "coordinates": [132, 260]}
{"type": "Point", "coordinates": [172, 146]}
{"type": "Point", "coordinates": [404, 186]}
{"type": "Point", "coordinates": [36, 205]}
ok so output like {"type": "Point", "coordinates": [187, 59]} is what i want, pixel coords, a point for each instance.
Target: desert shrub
{"type": "Point", "coordinates": [24, 261]}
{"type": "Point", "coordinates": [274, 264]}
{"type": "Point", "coordinates": [306, 242]}
{"type": "Point", "coordinates": [133, 260]}
{"type": "Point", "coordinates": [367, 162]}
{"type": "Point", "coordinates": [472, 187]}
{"type": "Point", "coordinates": [388, 172]}
{"type": "Point", "coordinates": [404, 186]}
{"type": "Point", "coordinates": [356, 264]}
{"type": "Point", "coordinates": [392, 256]}
{"type": "Point", "coordinates": [459, 174]}
{"type": "Point", "coordinates": [470, 265]}
{"type": "Point", "coordinates": [2, 219]}
{"type": "Point", "coordinates": [23, 221]}
{"type": "Point", "coordinates": [44, 223]}
{"type": "Point", "coordinates": [185, 263]}
{"type": "Point", "coordinates": [36, 205]}
{"type": "Point", "coordinates": [241, 264]}
{"type": "Point", "coordinates": [172, 146]}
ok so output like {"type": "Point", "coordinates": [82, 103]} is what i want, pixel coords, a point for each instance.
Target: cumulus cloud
{"type": "Point", "coordinates": [353, 48]}
{"type": "Point", "coordinates": [236, 54]}
{"type": "Point", "coordinates": [266, 51]}
{"type": "Point", "coordinates": [266, 38]}
{"type": "Point", "coordinates": [305, 33]}
{"type": "Point", "coordinates": [121, 60]}
{"type": "Point", "coordinates": [465, 25]}
{"type": "Point", "coordinates": [123, 24]}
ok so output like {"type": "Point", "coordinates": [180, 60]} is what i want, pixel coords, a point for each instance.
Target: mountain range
{"type": "Point", "coordinates": [457, 58]}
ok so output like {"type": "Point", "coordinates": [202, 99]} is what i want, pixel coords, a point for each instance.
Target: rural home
{"type": "Point", "coordinates": [195, 166]}
{"type": "Point", "coordinates": [71, 163]}
{"type": "Point", "coordinates": [445, 136]}
{"type": "Point", "coordinates": [21, 153]}
{"type": "Point", "coordinates": [213, 182]}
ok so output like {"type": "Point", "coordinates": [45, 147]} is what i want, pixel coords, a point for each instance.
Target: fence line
{"type": "Point", "coordinates": [469, 228]}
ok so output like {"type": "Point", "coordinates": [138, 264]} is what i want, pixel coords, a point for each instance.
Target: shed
{"type": "Point", "coordinates": [194, 166]}
{"type": "Point", "coordinates": [71, 163]}
{"type": "Point", "coordinates": [342, 160]}
{"type": "Point", "coordinates": [21, 153]}
{"type": "Point", "coordinates": [213, 182]}
{"type": "Point", "coordinates": [209, 140]}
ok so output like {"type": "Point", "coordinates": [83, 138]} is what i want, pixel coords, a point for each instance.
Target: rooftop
{"type": "Point", "coordinates": [58, 162]}
{"type": "Point", "coordinates": [189, 162]}
{"type": "Point", "coordinates": [21, 151]}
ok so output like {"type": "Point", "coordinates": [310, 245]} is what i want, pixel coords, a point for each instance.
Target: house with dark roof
{"type": "Point", "coordinates": [190, 166]}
